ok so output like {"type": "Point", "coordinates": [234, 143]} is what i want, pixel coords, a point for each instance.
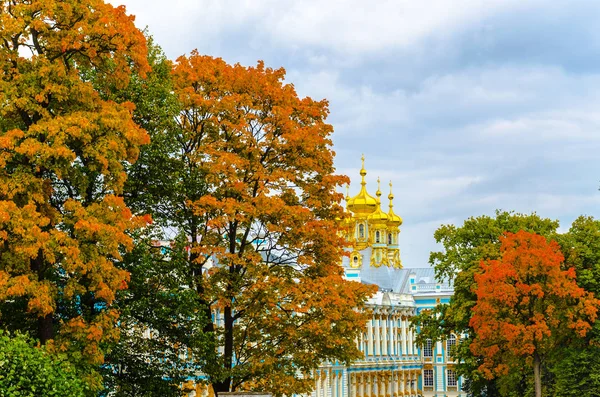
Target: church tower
{"type": "Point", "coordinates": [373, 233]}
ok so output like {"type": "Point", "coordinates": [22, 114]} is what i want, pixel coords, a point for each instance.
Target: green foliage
{"type": "Point", "coordinates": [161, 332]}
{"type": "Point", "coordinates": [581, 247]}
{"type": "Point", "coordinates": [577, 372]}
{"type": "Point", "coordinates": [463, 248]}
{"type": "Point", "coordinates": [576, 366]}
{"type": "Point", "coordinates": [26, 370]}
{"type": "Point", "coordinates": [158, 302]}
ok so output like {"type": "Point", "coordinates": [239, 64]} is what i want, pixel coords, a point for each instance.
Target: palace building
{"type": "Point", "coordinates": [393, 365]}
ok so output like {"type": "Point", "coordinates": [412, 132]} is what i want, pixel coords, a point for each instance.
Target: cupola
{"type": "Point", "coordinates": [393, 219]}
{"type": "Point", "coordinates": [378, 217]}
{"type": "Point", "coordinates": [363, 203]}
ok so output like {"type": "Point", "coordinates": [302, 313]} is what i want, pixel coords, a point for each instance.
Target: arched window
{"type": "Point", "coordinates": [361, 231]}
{"type": "Point", "coordinates": [377, 237]}
{"type": "Point", "coordinates": [389, 238]}
{"type": "Point", "coordinates": [355, 260]}
{"type": "Point", "coordinates": [450, 343]}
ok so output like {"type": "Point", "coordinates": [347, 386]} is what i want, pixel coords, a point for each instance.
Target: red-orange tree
{"type": "Point", "coordinates": [260, 212]}
{"type": "Point", "coordinates": [527, 305]}
{"type": "Point", "coordinates": [62, 151]}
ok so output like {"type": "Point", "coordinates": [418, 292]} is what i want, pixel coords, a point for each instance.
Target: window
{"type": "Point", "coordinates": [361, 231]}
{"type": "Point", "coordinates": [355, 260]}
{"type": "Point", "coordinates": [377, 236]}
{"type": "Point", "coordinates": [428, 377]}
{"type": "Point", "coordinates": [428, 349]}
{"type": "Point", "coordinates": [450, 343]}
{"type": "Point", "coordinates": [389, 238]}
{"type": "Point", "coordinates": [452, 378]}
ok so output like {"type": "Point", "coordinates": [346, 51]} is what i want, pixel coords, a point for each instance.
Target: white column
{"type": "Point", "coordinates": [363, 386]}
{"type": "Point", "coordinates": [402, 382]}
{"type": "Point", "coordinates": [395, 334]}
{"type": "Point", "coordinates": [403, 336]}
{"type": "Point", "coordinates": [409, 339]}
{"type": "Point", "coordinates": [412, 341]}
{"type": "Point", "coordinates": [415, 382]}
{"type": "Point", "coordinates": [384, 334]}
{"type": "Point", "coordinates": [391, 334]}
{"type": "Point", "coordinates": [392, 342]}
{"type": "Point", "coordinates": [377, 335]}
{"type": "Point", "coordinates": [399, 335]}
{"type": "Point", "coordinates": [318, 381]}
{"type": "Point", "coordinates": [370, 336]}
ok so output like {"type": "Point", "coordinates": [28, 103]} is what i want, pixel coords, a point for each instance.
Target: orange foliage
{"type": "Point", "coordinates": [62, 150]}
{"type": "Point", "coordinates": [526, 304]}
{"type": "Point", "coordinates": [267, 216]}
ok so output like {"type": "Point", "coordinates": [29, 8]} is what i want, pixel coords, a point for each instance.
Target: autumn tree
{"type": "Point", "coordinates": [463, 248]}
{"type": "Point", "coordinates": [250, 188]}
{"type": "Point", "coordinates": [63, 149]}
{"type": "Point", "coordinates": [527, 305]}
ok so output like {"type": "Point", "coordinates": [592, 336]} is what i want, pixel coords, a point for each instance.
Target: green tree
{"type": "Point", "coordinates": [576, 365]}
{"type": "Point", "coordinates": [160, 324]}
{"type": "Point", "coordinates": [463, 249]}
{"type": "Point", "coordinates": [29, 371]}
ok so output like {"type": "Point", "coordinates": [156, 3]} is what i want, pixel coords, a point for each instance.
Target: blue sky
{"type": "Point", "coordinates": [466, 105]}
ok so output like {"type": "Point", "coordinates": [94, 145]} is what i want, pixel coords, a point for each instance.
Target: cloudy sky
{"type": "Point", "coordinates": [466, 105]}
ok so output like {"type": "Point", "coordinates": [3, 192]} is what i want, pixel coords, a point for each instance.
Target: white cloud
{"type": "Point", "coordinates": [350, 26]}
{"type": "Point", "coordinates": [463, 111]}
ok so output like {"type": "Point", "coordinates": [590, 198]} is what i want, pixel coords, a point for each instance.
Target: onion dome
{"type": "Point", "coordinates": [363, 202]}
{"type": "Point", "coordinates": [393, 219]}
{"type": "Point", "coordinates": [378, 217]}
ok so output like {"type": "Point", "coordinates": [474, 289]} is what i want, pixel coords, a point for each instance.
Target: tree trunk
{"type": "Point", "coordinates": [225, 384]}
{"type": "Point", "coordinates": [45, 328]}
{"type": "Point", "coordinates": [537, 376]}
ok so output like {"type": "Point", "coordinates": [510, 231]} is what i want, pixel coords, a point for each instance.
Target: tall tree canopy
{"type": "Point", "coordinates": [62, 153]}
{"type": "Point", "coordinates": [250, 189]}
{"type": "Point", "coordinates": [463, 249]}
{"type": "Point", "coordinates": [527, 305]}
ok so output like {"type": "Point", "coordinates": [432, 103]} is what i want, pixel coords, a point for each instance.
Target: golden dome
{"type": "Point", "coordinates": [393, 219]}
{"type": "Point", "coordinates": [363, 202]}
{"type": "Point", "coordinates": [378, 217]}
